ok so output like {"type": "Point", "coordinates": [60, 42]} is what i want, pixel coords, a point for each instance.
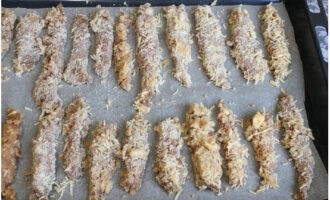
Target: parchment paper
{"type": "Point", "coordinates": [244, 100]}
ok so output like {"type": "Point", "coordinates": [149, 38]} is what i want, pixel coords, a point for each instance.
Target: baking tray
{"type": "Point", "coordinates": [173, 100]}
{"type": "Point", "coordinates": [315, 69]}
{"type": "Point", "coordinates": [318, 22]}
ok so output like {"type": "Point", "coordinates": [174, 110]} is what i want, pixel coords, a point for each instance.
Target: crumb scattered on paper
{"type": "Point", "coordinates": [108, 103]}
{"type": "Point", "coordinates": [61, 186]}
{"type": "Point", "coordinates": [27, 108]}
{"type": "Point", "coordinates": [231, 103]}
{"type": "Point", "coordinates": [252, 192]}
{"type": "Point", "coordinates": [177, 195]}
{"type": "Point", "coordinates": [176, 92]}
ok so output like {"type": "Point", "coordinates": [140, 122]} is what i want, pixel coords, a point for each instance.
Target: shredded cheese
{"type": "Point", "coordinates": [8, 19]}
{"type": "Point", "coordinates": [149, 57]}
{"type": "Point", "coordinates": [29, 47]}
{"type": "Point", "coordinates": [211, 46]}
{"type": "Point", "coordinates": [259, 132]}
{"type": "Point", "coordinates": [123, 53]}
{"type": "Point", "coordinates": [75, 128]}
{"type": "Point", "coordinates": [47, 98]}
{"type": "Point", "coordinates": [10, 151]}
{"type": "Point", "coordinates": [236, 153]}
{"type": "Point", "coordinates": [76, 69]}
{"type": "Point", "coordinates": [178, 40]}
{"type": "Point", "coordinates": [102, 25]}
{"type": "Point", "coordinates": [170, 166]}
{"type": "Point", "coordinates": [102, 163]}
{"type": "Point", "coordinates": [135, 153]}
{"type": "Point", "coordinates": [277, 46]}
{"type": "Point", "coordinates": [205, 151]}
{"type": "Point", "coordinates": [297, 140]}
{"type": "Point", "coordinates": [248, 56]}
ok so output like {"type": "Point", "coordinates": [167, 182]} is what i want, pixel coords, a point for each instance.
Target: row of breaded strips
{"type": "Point", "coordinates": [211, 45]}
{"type": "Point", "coordinates": [170, 165]}
{"type": "Point", "coordinates": [113, 43]}
{"type": "Point", "coordinates": [204, 144]}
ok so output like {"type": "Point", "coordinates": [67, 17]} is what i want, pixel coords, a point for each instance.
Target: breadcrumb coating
{"type": "Point", "coordinates": [8, 18]}
{"type": "Point", "coordinates": [10, 152]}
{"type": "Point", "coordinates": [75, 127]}
{"type": "Point", "coordinates": [178, 40]}
{"type": "Point", "coordinates": [149, 57]}
{"type": "Point", "coordinates": [297, 140]}
{"type": "Point", "coordinates": [211, 46]}
{"type": "Point", "coordinates": [277, 46]}
{"type": "Point", "coordinates": [245, 49]}
{"type": "Point", "coordinates": [259, 131]}
{"type": "Point", "coordinates": [205, 151]}
{"type": "Point", "coordinates": [75, 72]}
{"type": "Point", "coordinates": [29, 45]}
{"type": "Point", "coordinates": [123, 53]}
{"type": "Point", "coordinates": [236, 153]}
{"type": "Point", "coordinates": [47, 98]}
{"type": "Point", "coordinates": [102, 26]}
{"type": "Point", "coordinates": [44, 156]}
{"type": "Point", "coordinates": [46, 85]}
{"type": "Point", "coordinates": [102, 160]}
{"type": "Point", "coordinates": [135, 153]}
{"type": "Point", "coordinates": [170, 166]}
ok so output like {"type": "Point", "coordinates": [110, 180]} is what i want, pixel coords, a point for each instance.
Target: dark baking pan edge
{"type": "Point", "coordinates": [117, 3]}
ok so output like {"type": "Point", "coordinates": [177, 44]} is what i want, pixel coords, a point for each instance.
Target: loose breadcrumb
{"type": "Point", "coordinates": [205, 151]}
{"type": "Point", "coordinates": [75, 128]}
{"type": "Point", "coordinates": [149, 57]}
{"type": "Point", "coordinates": [297, 140]}
{"type": "Point", "coordinates": [28, 109]}
{"type": "Point", "coordinates": [29, 45]}
{"type": "Point", "coordinates": [108, 103]}
{"type": "Point", "coordinates": [61, 186]}
{"type": "Point", "coordinates": [8, 19]}
{"type": "Point", "coordinates": [178, 40]}
{"type": "Point", "coordinates": [102, 26]}
{"type": "Point", "coordinates": [135, 153]}
{"type": "Point", "coordinates": [277, 46]}
{"type": "Point", "coordinates": [102, 162]}
{"type": "Point", "coordinates": [10, 152]}
{"type": "Point", "coordinates": [170, 166]}
{"type": "Point", "coordinates": [236, 153]}
{"type": "Point", "coordinates": [248, 56]}
{"type": "Point", "coordinates": [47, 98]}
{"type": "Point", "coordinates": [76, 69]}
{"type": "Point", "coordinates": [259, 132]}
{"type": "Point", "coordinates": [123, 53]}
{"type": "Point", "coordinates": [211, 46]}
